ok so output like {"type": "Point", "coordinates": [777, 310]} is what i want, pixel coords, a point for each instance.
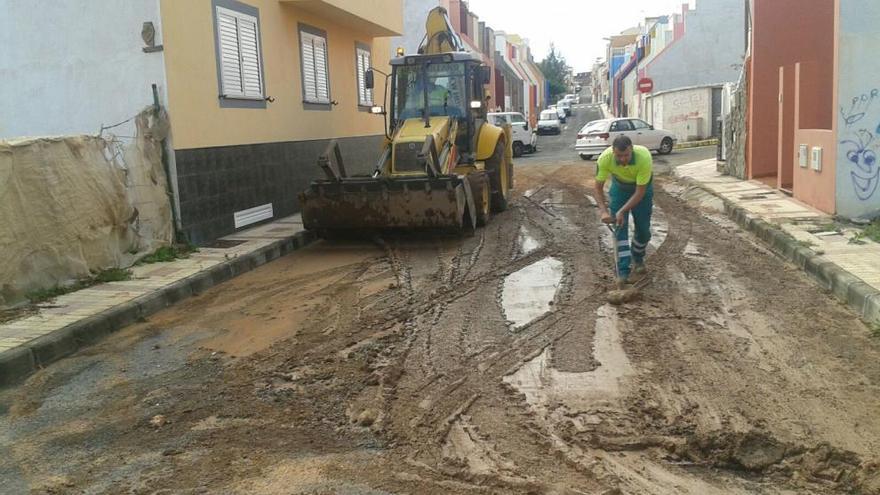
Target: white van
{"type": "Point", "coordinates": [525, 140]}
{"type": "Point", "coordinates": [564, 104]}
{"type": "Point", "coordinates": [549, 122]}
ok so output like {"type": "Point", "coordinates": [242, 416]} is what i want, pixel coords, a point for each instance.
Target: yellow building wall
{"type": "Point", "coordinates": [197, 119]}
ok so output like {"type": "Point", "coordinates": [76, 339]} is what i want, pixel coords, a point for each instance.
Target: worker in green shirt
{"type": "Point", "coordinates": [632, 192]}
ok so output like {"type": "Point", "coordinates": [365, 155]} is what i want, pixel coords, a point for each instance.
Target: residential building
{"type": "Point", "coordinates": [255, 90]}
{"type": "Point", "coordinates": [601, 85]}
{"type": "Point", "coordinates": [671, 70]}
{"type": "Point", "coordinates": [814, 106]}
{"type": "Point", "coordinates": [517, 83]}
{"type": "Point", "coordinates": [510, 82]}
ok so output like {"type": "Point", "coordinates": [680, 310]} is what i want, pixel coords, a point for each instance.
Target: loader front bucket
{"type": "Point", "coordinates": [369, 204]}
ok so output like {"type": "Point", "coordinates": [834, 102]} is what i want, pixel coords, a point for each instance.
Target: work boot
{"type": "Point", "coordinates": [623, 282]}
{"type": "Point", "coordinates": [639, 268]}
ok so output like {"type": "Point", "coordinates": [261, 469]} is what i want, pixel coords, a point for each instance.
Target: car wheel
{"type": "Point", "coordinates": [518, 149]}
{"type": "Point", "coordinates": [666, 146]}
{"type": "Point", "coordinates": [586, 157]}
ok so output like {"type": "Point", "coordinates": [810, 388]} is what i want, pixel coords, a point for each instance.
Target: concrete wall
{"type": "Point", "coordinates": [686, 113]}
{"type": "Point", "coordinates": [710, 52]}
{"type": "Point", "coordinates": [858, 171]}
{"type": "Point", "coordinates": [67, 69]}
{"type": "Point", "coordinates": [415, 12]}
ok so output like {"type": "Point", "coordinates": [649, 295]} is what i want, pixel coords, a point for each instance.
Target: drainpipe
{"type": "Point", "coordinates": [178, 234]}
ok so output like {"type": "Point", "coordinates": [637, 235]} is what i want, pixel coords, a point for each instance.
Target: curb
{"type": "Point", "coordinates": [696, 144]}
{"type": "Point", "coordinates": [861, 297]}
{"type": "Point", "coordinates": [18, 363]}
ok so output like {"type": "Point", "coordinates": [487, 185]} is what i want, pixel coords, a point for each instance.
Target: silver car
{"type": "Point", "coordinates": [597, 136]}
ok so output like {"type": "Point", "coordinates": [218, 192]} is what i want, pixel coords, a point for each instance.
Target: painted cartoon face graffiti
{"type": "Point", "coordinates": [862, 158]}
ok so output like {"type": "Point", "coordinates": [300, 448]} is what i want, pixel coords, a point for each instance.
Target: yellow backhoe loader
{"type": "Point", "coordinates": [442, 166]}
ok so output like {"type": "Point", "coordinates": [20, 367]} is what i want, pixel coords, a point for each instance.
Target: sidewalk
{"type": "Point", "coordinates": [799, 233]}
{"type": "Point", "coordinates": [80, 318]}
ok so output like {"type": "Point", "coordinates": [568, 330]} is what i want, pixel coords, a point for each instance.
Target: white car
{"type": "Point", "coordinates": [565, 105]}
{"type": "Point", "coordinates": [574, 99]}
{"type": "Point", "coordinates": [525, 140]}
{"type": "Point", "coordinates": [597, 136]}
{"type": "Point", "coordinates": [560, 112]}
{"type": "Point", "coordinates": [549, 122]}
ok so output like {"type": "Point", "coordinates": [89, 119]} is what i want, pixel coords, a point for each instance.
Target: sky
{"type": "Point", "coordinates": [576, 27]}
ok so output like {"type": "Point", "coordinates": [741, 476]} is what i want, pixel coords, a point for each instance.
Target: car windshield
{"type": "Point", "coordinates": [517, 119]}
{"type": "Point", "coordinates": [549, 115]}
{"type": "Point", "coordinates": [445, 86]}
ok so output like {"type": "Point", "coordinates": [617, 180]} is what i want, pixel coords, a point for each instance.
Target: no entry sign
{"type": "Point", "coordinates": [646, 85]}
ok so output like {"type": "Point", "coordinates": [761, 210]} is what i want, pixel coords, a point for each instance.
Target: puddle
{"type": "Point", "coordinates": [529, 293]}
{"type": "Point", "coordinates": [542, 385]}
{"type": "Point", "coordinates": [527, 243]}
{"type": "Point", "coordinates": [557, 198]}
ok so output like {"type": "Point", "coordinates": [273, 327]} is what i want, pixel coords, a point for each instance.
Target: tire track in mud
{"type": "Point", "coordinates": [507, 350]}
{"type": "Point", "coordinates": [404, 361]}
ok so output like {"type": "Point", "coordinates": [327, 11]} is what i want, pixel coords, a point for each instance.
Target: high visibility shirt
{"type": "Point", "coordinates": [638, 171]}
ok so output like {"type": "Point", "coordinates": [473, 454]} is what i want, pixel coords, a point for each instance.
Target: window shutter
{"type": "Point", "coordinates": [316, 86]}
{"type": "Point", "coordinates": [252, 77]}
{"type": "Point", "coordinates": [361, 78]}
{"type": "Point", "coordinates": [310, 87]}
{"type": "Point", "coordinates": [241, 73]}
{"type": "Point", "coordinates": [230, 69]}
{"type": "Point", "coordinates": [323, 85]}
{"type": "Point", "coordinates": [365, 96]}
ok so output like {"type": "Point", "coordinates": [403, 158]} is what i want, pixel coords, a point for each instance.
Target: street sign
{"type": "Point", "coordinates": [646, 85]}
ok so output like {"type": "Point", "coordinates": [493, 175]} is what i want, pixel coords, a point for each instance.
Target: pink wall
{"type": "Point", "coordinates": [786, 129]}
{"type": "Point", "coordinates": [779, 39]}
{"type": "Point", "coordinates": [816, 188]}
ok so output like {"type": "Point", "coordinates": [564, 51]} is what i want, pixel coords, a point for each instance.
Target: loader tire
{"type": "Point", "coordinates": [499, 178]}
{"type": "Point", "coordinates": [482, 197]}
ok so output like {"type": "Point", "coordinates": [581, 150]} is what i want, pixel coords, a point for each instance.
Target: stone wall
{"type": "Point", "coordinates": [735, 132]}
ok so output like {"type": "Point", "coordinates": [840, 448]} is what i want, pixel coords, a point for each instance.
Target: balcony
{"type": "Point", "coordinates": [372, 17]}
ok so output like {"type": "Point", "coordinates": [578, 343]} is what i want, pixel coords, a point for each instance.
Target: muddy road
{"type": "Point", "coordinates": [488, 364]}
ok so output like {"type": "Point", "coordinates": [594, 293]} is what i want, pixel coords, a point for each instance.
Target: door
{"type": "Point", "coordinates": [643, 135]}
{"type": "Point", "coordinates": [620, 128]}
{"type": "Point", "coordinates": [717, 114]}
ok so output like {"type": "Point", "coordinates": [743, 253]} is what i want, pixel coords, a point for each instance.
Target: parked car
{"type": "Point", "coordinates": [574, 99]}
{"type": "Point", "coordinates": [565, 105]}
{"type": "Point", "coordinates": [597, 136]}
{"type": "Point", "coordinates": [549, 122]}
{"type": "Point", "coordinates": [525, 139]}
{"type": "Point", "coordinates": [560, 111]}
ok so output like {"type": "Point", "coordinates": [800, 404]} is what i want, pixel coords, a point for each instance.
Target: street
{"type": "Point", "coordinates": [483, 364]}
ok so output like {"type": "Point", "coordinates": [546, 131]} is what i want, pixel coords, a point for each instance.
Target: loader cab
{"type": "Point", "coordinates": [444, 85]}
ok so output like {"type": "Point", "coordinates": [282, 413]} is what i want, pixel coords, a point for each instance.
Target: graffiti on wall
{"type": "Point", "coordinates": [861, 144]}
{"type": "Point", "coordinates": [859, 107]}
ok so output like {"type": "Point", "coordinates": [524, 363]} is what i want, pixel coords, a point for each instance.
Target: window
{"type": "Point", "coordinates": [238, 42]}
{"type": "Point", "coordinates": [639, 124]}
{"type": "Point", "coordinates": [363, 63]}
{"type": "Point", "coordinates": [621, 126]}
{"type": "Point", "coordinates": [517, 119]}
{"type": "Point", "coordinates": [313, 52]}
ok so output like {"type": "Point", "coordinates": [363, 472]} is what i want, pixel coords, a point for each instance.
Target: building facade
{"type": "Point", "coordinates": [686, 60]}
{"type": "Point", "coordinates": [254, 91]}
{"type": "Point", "coordinates": [814, 106]}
